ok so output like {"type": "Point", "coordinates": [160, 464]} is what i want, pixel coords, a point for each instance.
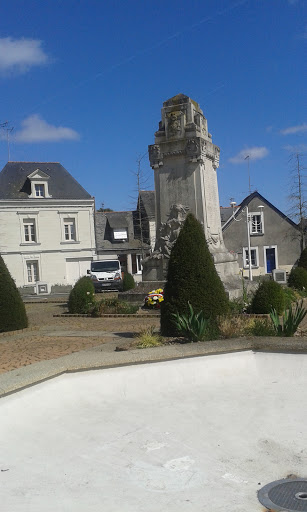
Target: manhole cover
{"type": "Point", "coordinates": [289, 495]}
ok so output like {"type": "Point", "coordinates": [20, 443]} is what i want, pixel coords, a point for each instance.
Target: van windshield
{"type": "Point", "coordinates": [105, 266]}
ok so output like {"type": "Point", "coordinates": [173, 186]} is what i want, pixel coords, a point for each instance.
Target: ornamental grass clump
{"type": "Point", "coordinates": [291, 319]}
{"type": "Point", "coordinates": [191, 279]}
{"type": "Point", "coordinates": [269, 295]}
{"type": "Point", "coordinates": [193, 326]}
{"type": "Point", "coordinates": [12, 309]}
{"type": "Point", "coordinates": [82, 297]}
{"type": "Point", "coordinates": [148, 338]}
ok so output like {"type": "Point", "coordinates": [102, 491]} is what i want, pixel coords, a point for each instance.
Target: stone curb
{"type": "Point", "coordinates": [104, 356]}
{"type": "Point", "coordinates": [13, 333]}
{"type": "Point", "coordinates": [131, 315]}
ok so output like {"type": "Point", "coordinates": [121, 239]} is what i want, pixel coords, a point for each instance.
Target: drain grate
{"type": "Point", "coordinates": [289, 495]}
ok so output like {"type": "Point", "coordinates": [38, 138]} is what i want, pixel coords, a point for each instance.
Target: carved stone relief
{"type": "Point", "coordinates": [174, 123]}
{"type": "Point", "coordinates": [168, 232]}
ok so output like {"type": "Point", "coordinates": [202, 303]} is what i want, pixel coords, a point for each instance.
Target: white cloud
{"type": "Point", "coordinates": [298, 148]}
{"type": "Point", "coordinates": [36, 129]}
{"type": "Point", "coordinates": [19, 55]}
{"type": "Point", "coordinates": [299, 128]}
{"type": "Point", "coordinates": [254, 153]}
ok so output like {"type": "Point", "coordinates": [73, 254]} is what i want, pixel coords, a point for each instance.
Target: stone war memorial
{"type": "Point", "coordinates": [185, 162]}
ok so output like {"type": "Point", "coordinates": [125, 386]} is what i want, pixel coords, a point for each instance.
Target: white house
{"type": "Point", "coordinates": [46, 225]}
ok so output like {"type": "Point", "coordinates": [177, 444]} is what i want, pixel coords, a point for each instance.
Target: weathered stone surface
{"type": "Point", "coordinates": [185, 160]}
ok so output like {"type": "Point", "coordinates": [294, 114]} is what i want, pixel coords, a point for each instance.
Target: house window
{"type": "Point", "coordinates": [254, 257]}
{"type": "Point", "coordinates": [256, 223]}
{"type": "Point", "coordinates": [32, 271]}
{"type": "Point", "coordinates": [120, 234]}
{"type": "Point", "coordinates": [70, 230]}
{"type": "Point", "coordinates": [39, 190]}
{"type": "Point", "coordinates": [29, 230]}
{"type": "Point", "coordinates": [136, 264]}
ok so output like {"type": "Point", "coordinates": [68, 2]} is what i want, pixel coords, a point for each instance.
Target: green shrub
{"type": "Point", "coordinates": [269, 295]}
{"type": "Point", "coordinates": [290, 296]}
{"type": "Point", "coordinates": [12, 309]}
{"type": "Point", "coordinates": [113, 306]}
{"type": "Point", "coordinates": [191, 278]}
{"type": "Point", "coordinates": [261, 327]}
{"type": "Point", "coordinates": [128, 282]}
{"type": "Point", "coordinates": [298, 278]}
{"type": "Point", "coordinates": [82, 297]}
{"type": "Point", "coordinates": [302, 262]}
{"type": "Point", "coordinates": [290, 321]}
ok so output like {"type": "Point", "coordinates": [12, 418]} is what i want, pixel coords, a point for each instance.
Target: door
{"type": "Point", "coordinates": [270, 259]}
{"type": "Point", "coordinates": [76, 268]}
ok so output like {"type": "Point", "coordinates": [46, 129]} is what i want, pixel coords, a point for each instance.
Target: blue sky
{"type": "Point", "coordinates": [83, 82]}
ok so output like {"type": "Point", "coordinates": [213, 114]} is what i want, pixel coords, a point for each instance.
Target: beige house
{"type": "Point", "coordinates": [47, 226]}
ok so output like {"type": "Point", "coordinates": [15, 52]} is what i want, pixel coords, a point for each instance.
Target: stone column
{"type": "Point", "coordinates": [185, 163]}
{"type": "Point", "coordinates": [129, 263]}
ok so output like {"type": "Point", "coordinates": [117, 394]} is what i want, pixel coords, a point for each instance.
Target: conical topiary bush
{"type": "Point", "coordinates": [191, 278]}
{"type": "Point", "coordinates": [82, 297]}
{"type": "Point", "coordinates": [302, 262]}
{"type": "Point", "coordinates": [12, 309]}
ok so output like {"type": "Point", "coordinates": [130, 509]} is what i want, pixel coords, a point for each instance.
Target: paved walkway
{"type": "Point", "coordinates": [53, 346]}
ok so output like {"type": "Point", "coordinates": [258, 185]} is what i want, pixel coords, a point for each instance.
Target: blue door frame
{"type": "Point", "coordinates": [270, 259]}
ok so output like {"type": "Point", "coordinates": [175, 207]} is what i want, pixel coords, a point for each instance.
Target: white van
{"type": "Point", "coordinates": [106, 275]}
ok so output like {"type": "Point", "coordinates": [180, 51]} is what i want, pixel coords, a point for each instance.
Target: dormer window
{"type": "Point", "coordinates": [39, 190]}
{"type": "Point", "coordinates": [39, 184]}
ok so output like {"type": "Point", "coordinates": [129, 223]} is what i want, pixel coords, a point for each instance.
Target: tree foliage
{"type": "Point", "coordinates": [191, 278]}
{"type": "Point", "coordinates": [12, 309]}
{"type": "Point", "coordinates": [298, 195]}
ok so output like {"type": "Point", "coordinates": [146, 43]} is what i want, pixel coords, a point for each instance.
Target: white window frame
{"type": "Point", "coordinates": [69, 223]}
{"type": "Point", "coordinates": [64, 218]}
{"type": "Point", "coordinates": [251, 215]}
{"type": "Point", "coordinates": [27, 218]}
{"type": "Point", "coordinates": [264, 256]}
{"type": "Point", "coordinates": [245, 257]}
{"type": "Point", "coordinates": [38, 187]}
{"type": "Point", "coordinates": [31, 264]}
{"type": "Point", "coordinates": [139, 268]}
{"type": "Point", "coordinates": [27, 231]}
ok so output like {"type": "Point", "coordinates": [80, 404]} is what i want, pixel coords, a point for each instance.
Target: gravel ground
{"type": "Point", "coordinates": [36, 344]}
